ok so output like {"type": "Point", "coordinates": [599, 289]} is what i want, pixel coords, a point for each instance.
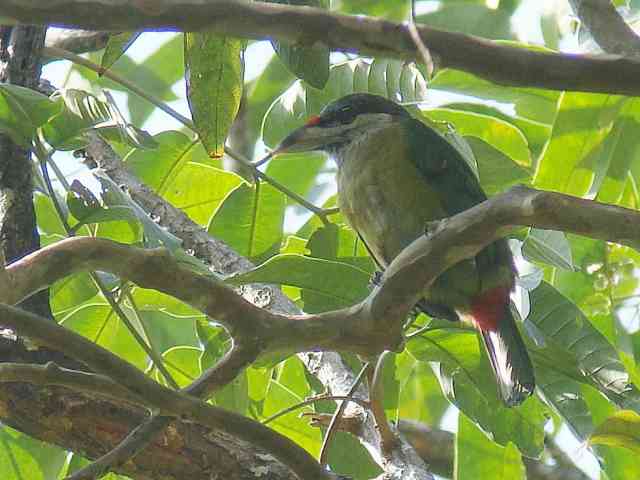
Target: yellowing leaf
{"type": "Point", "coordinates": [622, 429]}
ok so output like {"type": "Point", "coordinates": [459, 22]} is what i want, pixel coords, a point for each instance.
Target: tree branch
{"type": "Point", "coordinates": [607, 27]}
{"type": "Point", "coordinates": [496, 62]}
{"type": "Point", "coordinates": [328, 367]}
{"type": "Point", "coordinates": [76, 41]}
{"type": "Point", "coordinates": [159, 397]}
{"type": "Point", "coordinates": [370, 327]}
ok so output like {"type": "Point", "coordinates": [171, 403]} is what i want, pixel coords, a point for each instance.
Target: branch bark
{"type": "Point", "coordinates": [496, 62]}
{"type": "Point", "coordinates": [607, 27]}
{"type": "Point", "coordinates": [328, 367]}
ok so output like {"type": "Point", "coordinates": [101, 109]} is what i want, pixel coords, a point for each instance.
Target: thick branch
{"type": "Point", "coordinates": [607, 27]}
{"type": "Point", "coordinates": [76, 41]}
{"type": "Point", "coordinates": [159, 397]}
{"type": "Point", "coordinates": [370, 327]}
{"type": "Point", "coordinates": [328, 367]}
{"type": "Point", "coordinates": [493, 61]}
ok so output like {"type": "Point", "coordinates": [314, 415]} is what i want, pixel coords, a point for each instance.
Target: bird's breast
{"type": "Point", "coordinates": [382, 195]}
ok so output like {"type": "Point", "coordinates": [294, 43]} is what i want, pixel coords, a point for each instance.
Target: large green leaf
{"type": "Point", "coordinates": [575, 151]}
{"type": "Point", "coordinates": [102, 115]}
{"type": "Point", "coordinates": [307, 62]}
{"type": "Point", "coordinates": [341, 284]}
{"type": "Point", "coordinates": [530, 103]}
{"type": "Point", "coordinates": [158, 167]}
{"type": "Point", "coordinates": [565, 327]}
{"type": "Point", "coordinates": [497, 172]}
{"type": "Point", "coordinates": [622, 429]}
{"type": "Point", "coordinates": [548, 246]}
{"type": "Point", "coordinates": [499, 134]}
{"type": "Point", "coordinates": [479, 457]}
{"type": "Point", "coordinates": [22, 111]}
{"type": "Point", "coordinates": [390, 78]}
{"type": "Point", "coordinates": [297, 171]}
{"type": "Point", "coordinates": [22, 457]}
{"type": "Point", "coordinates": [467, 380]}
{"type": "Point", "coordinates": [250, 219]}
{"type": "Point", "coordinates": [100, 324]}
{"type": "Point", "coordinates": [116, 46]}
{"type": "Point", "coordinates": [214, 75]}
{"type": "Point", "coordinates": [622, 147]}
{"type": "Point", "coordinates": [470, 19]}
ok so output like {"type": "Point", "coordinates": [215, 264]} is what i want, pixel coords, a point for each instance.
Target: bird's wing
{"type": "Point", "coordinates": [445, 170]}
{"type": "Point", "coordinates": [443, 167]}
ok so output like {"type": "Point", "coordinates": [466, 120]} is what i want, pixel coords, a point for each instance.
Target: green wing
{"type": "Point", "coordinates": [443, 167]}
{"type": "Point", "coordinates": [446, 171]}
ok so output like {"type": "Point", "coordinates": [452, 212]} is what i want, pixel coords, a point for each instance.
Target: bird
{"type": "Point", "coordinates": [395, 175]}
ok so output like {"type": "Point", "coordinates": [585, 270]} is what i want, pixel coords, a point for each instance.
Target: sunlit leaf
{"type": "Point", "coordinates": [214, 75]}
{"type": "Point", "coordinates": [479, 457]}
{"type": "Point", "coordinates": [622, 429]}
{"type": "Point", "coordinates": [23, 110]}
{"type": "Point", "coordinates": [116, 46]}
{"type": "Point", "coordinates": [307, 62]}
{"type": "Point", "coordinates": [548, 246]}
{"type": "Point", "coordinates": [339, 283]}
{"type": "Point", "coordinates": [250, 219]}
{"type": "Point", "coordinates": [575, 150]}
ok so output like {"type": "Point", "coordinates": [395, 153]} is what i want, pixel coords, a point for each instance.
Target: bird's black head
{"type": "Point", "coordinates": [341, 121]}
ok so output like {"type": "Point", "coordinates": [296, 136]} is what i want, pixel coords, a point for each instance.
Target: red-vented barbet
{"type": "Point", "coordinates": [395, 174]}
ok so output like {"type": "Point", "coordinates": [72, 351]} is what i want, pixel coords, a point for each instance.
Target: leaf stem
{"type": "Point", "coordinates": [324, 450]}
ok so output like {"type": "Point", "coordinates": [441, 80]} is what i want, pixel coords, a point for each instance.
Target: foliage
{"type": "Point", "coordinates": [582, 329]}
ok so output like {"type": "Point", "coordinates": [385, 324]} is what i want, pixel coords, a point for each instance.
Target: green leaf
{"type": "Point", "coordinates": [391, 78]}
{"type": "Point", "coordinates": [565, 327]}
{"type": "Point", "coordinates": [478, 457]}
{"type": "Point", "coordinates": [298, 171]}
{"type": "Point", "coordinates": [530, 103]}
{"type": "Point", "coordinates": [340, 284]}
{"type": "Point", "coordinates": [501, 135]}
{"type": "Point", "coordinates": [22, 111]}
{"type": "Point", "coordinates": [199, 190]}
{"type": "Point", "coordinates": [308, 63]}
{"type": "Point", "coordinates": [548, 246]}
{"type": "Point", "coordinates": [100, 324]}
{"type": "Point", "coordinates": [288, 388]}
{"type": "Point", "coordinates": [214, 75]}
{"type": "Point", "coordinates": [250, 219]}
{"type": "Point", "coordinates": [183, 365]}
{"type": "Point", "coordinates": [622, 148]}
{"type": "Point", "coordinates": [467, 381]}
{"type": "Point", "coordinates": [470, 19]}
{"type": "Point", "coordinates": [622, 429]}
{"type": "Point", "coordinates": [398, 11]}
{"type": "Point", "coordinates": [23, 457]}
{"type": "Point", "coordinates": [575, 152]}
{"type": "Point", "coordinates": [156, 168]}
{"type": "Point", "coordinates": [116, 46]}
{"type": "Point", "coordinates": [103, 116]}
{"type": "Point", "coordinates": [497, 171]}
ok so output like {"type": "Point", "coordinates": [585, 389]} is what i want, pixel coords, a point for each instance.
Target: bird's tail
{"type": "Point", "coordinates": [509, 359]}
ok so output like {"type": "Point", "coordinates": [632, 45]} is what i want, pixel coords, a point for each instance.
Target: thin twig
{"type": "Point", "coordinates": [376, 393]}
{"type": "Point", "coordinates": [324, 450]}
{"type": "Point", "coordinates": [311, 401]}
{"type": "Point", "coordinates": [43, 158]}
{"type": "Point", "coordinates": [422, 49]}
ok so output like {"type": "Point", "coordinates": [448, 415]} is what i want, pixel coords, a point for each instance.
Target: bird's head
{"type": "Point", "coordinates": [341, 122]}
